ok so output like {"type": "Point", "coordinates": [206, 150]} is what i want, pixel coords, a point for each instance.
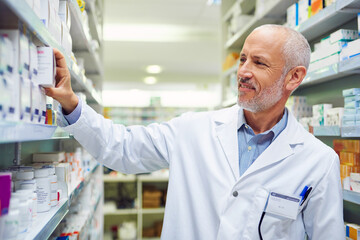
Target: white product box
{"type": "Point", "coordinates": [25, 99]}
{"type": "Point", "coordinates": [13, 82]}
{"type": "Point", "coordinates": [55, 4]}
{"type": "Point", "coordinates": [344, 34]}
{"type": "Point", "coordinates": [24, 57]}
{"type": "Point", "coordinates": [6, 90]}
{"type": "Point", "coordinates": [6, 55]}
{"type": "Point", "coordinates": [320, 109]}
{"type": "Point", "coordinates": [333, 116]}
{"type": "Point", "coordinates": [55, 26]}
{"type": "Point", "coordinates": [292, 15]}
{"type": "Point", "coordinates": [351, 49]}
{"type": "Point", "coordinates": [46, 67]}
{"type": "Point", "coordinates": [33, 62]}
{"type": "Point", "coordinates": [303, 6]}
{"type": "Point", "coordinates": [66, 40]}
{"type": "Point", "coordinates": [317, 121]}
{"type": "Point", "coordinates": [45, 12]}
{"type": "Point", "coordinates": [64, 12]}
{"type": "Point", "coordinates": [35, 102]}
{"type": "Point", "coordinates": [49, 157]}
{"type": "Point", "coordinates": [42, 107]}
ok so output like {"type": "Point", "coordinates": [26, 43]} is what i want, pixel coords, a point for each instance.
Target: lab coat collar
{"type": "Point", "coordinates": [227, 122]}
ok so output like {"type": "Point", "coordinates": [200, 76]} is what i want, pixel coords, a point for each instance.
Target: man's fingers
{"type": "Point", "coordinates": [60, 59]}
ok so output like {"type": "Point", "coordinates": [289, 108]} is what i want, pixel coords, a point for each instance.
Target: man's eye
{"type": "Point", "coordinates": [242, 60]}
{"type": "Point", "coordinates": [260, 63]}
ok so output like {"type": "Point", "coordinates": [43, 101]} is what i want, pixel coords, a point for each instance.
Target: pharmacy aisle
{"type": "Point", "coordinates": [327, 101]}
{"type": "Point", "coordinates": [50, 186]}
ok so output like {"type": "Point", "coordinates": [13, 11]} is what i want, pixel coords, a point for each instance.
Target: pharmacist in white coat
{"type": "Point", "coordinates": [246, 172]}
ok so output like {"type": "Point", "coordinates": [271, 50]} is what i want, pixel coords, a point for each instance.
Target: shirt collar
{"type": "Point", "coordinates": [277, 129]}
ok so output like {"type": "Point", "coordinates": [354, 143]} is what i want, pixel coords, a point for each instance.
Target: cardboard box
{"type": "Point", "coordinates": [46, 67]}
{"type": "Point", "coordinates": [49, 157]}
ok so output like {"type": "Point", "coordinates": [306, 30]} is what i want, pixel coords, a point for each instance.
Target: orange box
{"type": "Point", "coordinates": [341, 145]}
{"type": "Point", "coordinates": [349, 158]}
{"type": "Point", "coordinates": [316, 6]}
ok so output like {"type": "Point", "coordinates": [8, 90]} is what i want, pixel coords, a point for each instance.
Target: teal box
{"type": "Point", "coordinates": [348, 123]}
{"type": "Point", "coordinates": [349, 117]}
{"type": "Point", "coordinates": [351, 92]}
{"type": "Point", "coordinates": [350, 111]}
{"type": "Point", "coordinates": [352, 104]}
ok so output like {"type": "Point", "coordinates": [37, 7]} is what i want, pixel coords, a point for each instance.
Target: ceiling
{"type": "Point", "coordinates": [182, 36]}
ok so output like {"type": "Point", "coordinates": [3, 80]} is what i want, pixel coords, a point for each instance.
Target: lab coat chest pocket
{"type": "Point", "coordinates": [272, 226]}
{"type": "Point", "coordinates": [254, 214]}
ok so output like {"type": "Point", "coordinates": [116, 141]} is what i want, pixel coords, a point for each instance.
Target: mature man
{"type": "Point", "coordinates": [246, 172]}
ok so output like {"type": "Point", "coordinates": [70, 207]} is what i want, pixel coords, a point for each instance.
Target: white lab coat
{"type": "Point", "coordinates": [201, 152]}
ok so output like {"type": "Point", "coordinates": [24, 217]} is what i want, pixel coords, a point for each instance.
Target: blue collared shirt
{"type": "Point", "coordinates": [72, 117]}
{"type": "Point", "coordinates": [251, 145]}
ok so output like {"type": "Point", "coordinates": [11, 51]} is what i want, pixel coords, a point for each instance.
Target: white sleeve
{"type": "Point", "coordinates": [135, 149]}
{"type": "Point", "coordinates": [323, 215]}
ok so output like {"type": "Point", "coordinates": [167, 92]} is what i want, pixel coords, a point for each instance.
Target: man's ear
{"type": "Point", "coordinates": [294, 77]}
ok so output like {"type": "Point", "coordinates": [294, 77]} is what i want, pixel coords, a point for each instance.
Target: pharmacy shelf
{"type": "Point", "coordinates": [351, 196]}
{"type": "Point", "coordinates": [329, 18]}
{"type": "Point", "coordinates": [93, 21]}
{"type": "Point", "coordinates": [77, 188]}
{"type": "Point", "coordinates": [23, 11]}
{"type": "Point", "coordinates": [121, 178]}
{"type": "Point", "coordinates": [350, 131]}
{"type": "Point", "coordinates": [336, 71]}
{"type": "Point", "coordinates": [120, 212]}
{"type": "Point", "coordinates": [231, 70]}
{"type": "Point", "coordinates": [150, 178]}
{"type": "Point", "coordinates": [277, 8]}
{"type": "Point", "coordinates": [22, 132]}
{"type": "Point", "coordinates": [47, 222]}
{"type": "Point", "coordinates": [152, 210]}
{"type": "Point", "coordinates": [82, 43]}
{"type": "Point", "coordinates": [327, 131]}
{"type": "Point", "coordinates": [324, 74]}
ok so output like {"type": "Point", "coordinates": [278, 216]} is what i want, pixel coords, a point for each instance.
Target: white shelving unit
{"type": "Point", "coordinates": [12, 13]}
{"type": "Point", "coordinates": [140, 212]}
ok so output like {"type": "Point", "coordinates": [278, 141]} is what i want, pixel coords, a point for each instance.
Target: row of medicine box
{"type": "Point", "coordinates": [24, 69]}
{"type": "Point", "coordinates": [55, 14]}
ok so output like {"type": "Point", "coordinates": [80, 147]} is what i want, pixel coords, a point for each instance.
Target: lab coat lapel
{"type": "Point", "coordinates": [226, 131]}
{"type": "Point", "coordinates": [281, 148]}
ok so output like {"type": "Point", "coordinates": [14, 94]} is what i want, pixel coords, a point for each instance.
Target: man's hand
{"type": "Point", "coordinates": [62, 92]}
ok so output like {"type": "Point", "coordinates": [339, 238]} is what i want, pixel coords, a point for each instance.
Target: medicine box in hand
{"type": "Point", "coordinates": [46, 67]}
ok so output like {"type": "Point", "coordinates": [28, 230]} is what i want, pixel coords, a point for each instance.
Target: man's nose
{"type": "Point", "coordinates": [244, 71]}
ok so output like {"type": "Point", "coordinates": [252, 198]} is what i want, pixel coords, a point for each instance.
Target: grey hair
{"type": "Point", "coordinates": [296, 50]}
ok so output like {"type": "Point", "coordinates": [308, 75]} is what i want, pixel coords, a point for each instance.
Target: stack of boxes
{"type": "Point", "coordinates": [302, 10]}
{"type": "Point", "coordinates": [328, 51]}
{"type": "Point", "coordinates": [352, 107]}
{"type": "Point", "coordinates": [152, 197]}
{"type": "Point", "coordinates": [298, 106]}
{"type": "Point", "coordinates": [26, 68]}
{"type": "Point", "coordinates": [349, 154]}
{"type": "Point", "coordinates": [352, 231]}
